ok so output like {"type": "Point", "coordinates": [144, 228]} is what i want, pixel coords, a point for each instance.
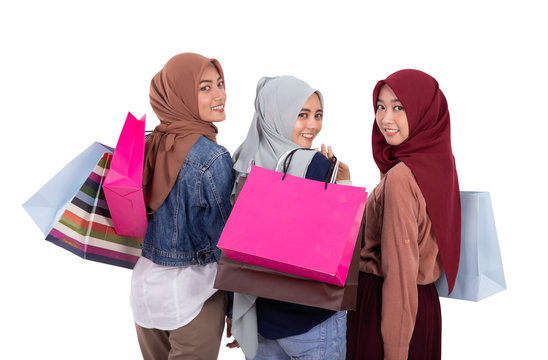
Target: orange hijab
{"type": "Point", "coordinates": [174, 99]}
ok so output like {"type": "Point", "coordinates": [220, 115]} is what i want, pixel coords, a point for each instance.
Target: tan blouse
{"type": "Point", "coordinates": [399, 245]}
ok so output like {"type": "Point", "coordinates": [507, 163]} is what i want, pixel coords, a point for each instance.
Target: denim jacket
{"type": "Point", "coordinates": [186, 227]}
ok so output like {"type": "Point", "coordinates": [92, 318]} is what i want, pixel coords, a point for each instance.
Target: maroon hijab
{"type": "Point", "coordinates": [427, 152]}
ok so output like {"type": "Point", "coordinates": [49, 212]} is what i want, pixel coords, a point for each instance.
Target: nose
{"type": "Point", "coordinates": [386, 117]}
{"type": "Point", "coordinates": [311, 123]}
{"type": "Point", "coordinates": [219, 94]}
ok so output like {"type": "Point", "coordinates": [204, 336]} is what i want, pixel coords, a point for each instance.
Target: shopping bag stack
{"type": "Point", "coordinates": [295, 225]}
{"type": "Point", "coordinates": [71, 209]}
{"type": "Point", "coordinates": [86, 227]}
{"type": "Point", "coordinates": [480, 271]}
{"type": "Point", "coordinates": [286, 231]}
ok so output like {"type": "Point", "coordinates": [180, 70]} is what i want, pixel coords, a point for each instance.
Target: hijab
{"type": "Point", "coordinates": [427, 152]}
{"type": "Point", "coordinates": [277, 105]}
{"type": "Point", "coordinates": [174, 99]}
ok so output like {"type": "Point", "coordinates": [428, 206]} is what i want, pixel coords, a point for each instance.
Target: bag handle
{"type": "Point", "coordinates": [289, 157]}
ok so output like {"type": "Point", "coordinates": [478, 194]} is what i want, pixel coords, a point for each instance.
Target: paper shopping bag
{"type": "Point", "coordinates": [480, 268]}
{"type": "Point", "coordinates": [294, 225]}
{"type": "Point", "coordinates": [86, 228]}
{"type": "Point", "coordinates": [47, 205]}
{"type": "Point", "coordinates": [233, 275]}
{"type": "Point", "coordinates": [124, 182]}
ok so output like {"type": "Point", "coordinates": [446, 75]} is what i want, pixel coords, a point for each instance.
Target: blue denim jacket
{"type": "Point", "coordinates": [186, 227]}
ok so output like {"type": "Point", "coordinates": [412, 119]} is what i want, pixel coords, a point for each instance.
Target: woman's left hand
{"type": "Point", "coordinates": [344, 172]}
{"type": "Point", "coordinates": [233, 344]}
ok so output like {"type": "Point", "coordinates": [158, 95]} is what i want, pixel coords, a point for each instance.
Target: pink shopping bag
{"type": "Point", "coordinates": [295, 225]}
{"type": "Point", "coordinates": [123, 185]}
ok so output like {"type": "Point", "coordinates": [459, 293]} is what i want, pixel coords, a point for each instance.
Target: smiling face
{"type": "Point", "coordinates": [391, 117]}
{"type": "Point", "coordinates": [309, 122]}
{"type": "Point", "coordinates": [211, 95]}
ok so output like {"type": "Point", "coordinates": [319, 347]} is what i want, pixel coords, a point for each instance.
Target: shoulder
{"type": "Point", "coordinates": [399, 173]}
{"type": "Point", "coordinates": [400, 182]}
{"type": "Point", "coordinates": [205, 153]}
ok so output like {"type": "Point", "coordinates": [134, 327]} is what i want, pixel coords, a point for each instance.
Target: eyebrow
{"type": "Point", "coordinates": [305, 109]}
{"type": "Point", "coordinates": [393, 100]}
{"type": "Point", "coordinates": [203, 81]}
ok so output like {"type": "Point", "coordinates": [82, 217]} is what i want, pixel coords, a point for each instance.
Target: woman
{"type": "Point", "coordinates": [288, 115]}
{"type": "Point", "coordinates": [187, 185]}
{"type": "Point", "coordinates": [412, 224]}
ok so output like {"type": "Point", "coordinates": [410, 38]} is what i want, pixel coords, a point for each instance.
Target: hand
{"type": "Point", "coordinates": [233, 344]}
{"type": "Point", "coordinates": [344, 172]}
{"type": "Point", "coordinates": [327, 152]}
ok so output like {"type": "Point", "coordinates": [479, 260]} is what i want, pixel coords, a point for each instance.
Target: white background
{"type": "Point", "coordinates": [70, 71]}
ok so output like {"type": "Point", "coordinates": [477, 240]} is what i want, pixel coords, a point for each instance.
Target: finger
{"type": "Point", "coordinates": [233, 345]}
{"type": "Point", "coordinates": [323, 150]}
{"type": "Point", "coordinates": [228, 327]}
{"type": "Point", "coordinates": [329, 152]}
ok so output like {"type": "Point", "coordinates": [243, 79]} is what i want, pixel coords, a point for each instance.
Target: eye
{"type": "Point", "coordinates": [303, 115]}
{"type": "Point", "coordinates": [398, 108]}
{"type": "Point", "coordinates": [221, 84]}
{"type": "Point", "coordinates": [205, 88]}
{"type": "Point", "coordinates": [380, 107]}
{"type": "Point", "coordinates": [319, 116]}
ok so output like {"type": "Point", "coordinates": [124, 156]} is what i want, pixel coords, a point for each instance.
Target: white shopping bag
{"type": "Point", "coordinates": [480, 267]}
{"type": "Point", "coordinates": [47, 205]}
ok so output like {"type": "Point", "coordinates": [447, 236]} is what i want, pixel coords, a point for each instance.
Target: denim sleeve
{"type": "Point", "coordinates": [217, 189]}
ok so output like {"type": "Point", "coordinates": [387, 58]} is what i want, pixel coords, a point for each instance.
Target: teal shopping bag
{"type": "Point", "coordinates": [480, 267]}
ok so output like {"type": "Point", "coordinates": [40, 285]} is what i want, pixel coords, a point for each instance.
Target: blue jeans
{"type": "Point", "coordinates": [326, 341]}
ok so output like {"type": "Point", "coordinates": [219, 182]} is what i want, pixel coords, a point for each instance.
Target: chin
{"type": "Point", "coordinates": [216, 119]}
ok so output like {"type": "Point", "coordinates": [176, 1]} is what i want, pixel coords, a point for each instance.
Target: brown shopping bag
{"type": "Point", "coordinates": [233, 275]}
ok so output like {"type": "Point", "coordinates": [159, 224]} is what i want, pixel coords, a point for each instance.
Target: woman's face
{"type": "Point", "coordinates": [309, 122]}
{"type": "Point", "coordinates": [390, 117]}
{"type": "Point", "coordinates": [211, 96]}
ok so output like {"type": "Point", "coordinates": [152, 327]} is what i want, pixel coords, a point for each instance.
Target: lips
{"type": "Point", "coordinates": [307, 136]}
{"type": "Point", "coordinates": [391, 131]}
{"type": "Point", "coordinates": [220, 108]}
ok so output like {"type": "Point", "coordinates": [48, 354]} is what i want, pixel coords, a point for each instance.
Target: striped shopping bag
{"type": "Point", "coordinates": [86, 228]}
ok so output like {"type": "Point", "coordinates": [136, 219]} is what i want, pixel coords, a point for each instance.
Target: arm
{"type": "Point", "coordinates": [400, 263]}
{"type": "Point", "coordinates": [220, 183]}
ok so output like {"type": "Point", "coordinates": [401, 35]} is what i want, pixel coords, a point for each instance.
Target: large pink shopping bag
{"type": "Point", "coordinates": [295, 225]}
{"type": "Point", "coordinates": [123, 185]}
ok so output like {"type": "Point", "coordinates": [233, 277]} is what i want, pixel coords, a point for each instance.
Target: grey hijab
{"type": "Point", "coordinates": [277, 105]}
